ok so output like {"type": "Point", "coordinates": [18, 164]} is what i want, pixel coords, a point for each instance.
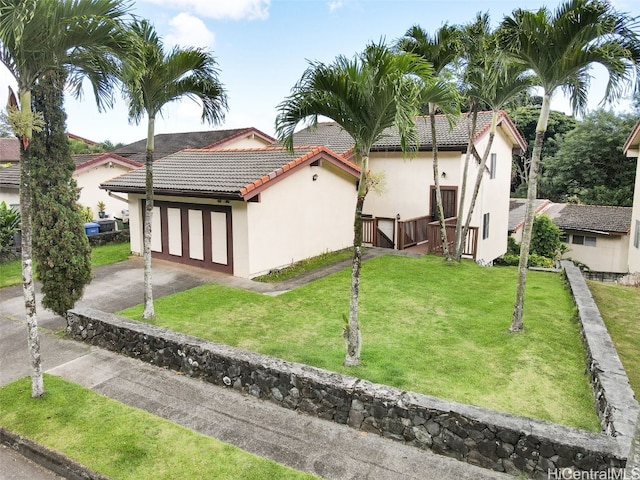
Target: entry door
{"type": "Point", "coordinates": [449, 202]}
{"type": "Point", "coordinates": [199, 235]}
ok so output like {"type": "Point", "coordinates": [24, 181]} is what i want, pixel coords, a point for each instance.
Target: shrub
{"type": "Point", "coordinates": [9, 224]}
{"type": "Point", "coordinates": [545, 239]}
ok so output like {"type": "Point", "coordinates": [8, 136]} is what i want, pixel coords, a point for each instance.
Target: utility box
{"type": "Point", "coordinates": [91, 228]}
{"type": "Point", "coordinates": [106, 225]}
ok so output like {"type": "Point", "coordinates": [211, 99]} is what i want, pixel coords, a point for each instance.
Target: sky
{"type": "Point", "coordinates": [262, 47]}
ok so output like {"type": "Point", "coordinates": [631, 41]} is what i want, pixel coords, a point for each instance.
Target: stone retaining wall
{"type": "Point", "coordinates": [494, 440]}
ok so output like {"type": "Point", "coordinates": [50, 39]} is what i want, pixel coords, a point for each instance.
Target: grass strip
{"type": "Point", "coordinates": [619, 307]}
{"type": "Point", "coordinates": [11, 272]}
{"type": "Point", "coordinates": [122, 442]}
{"type": "Point", "coordinates": [305, 265]}
{"type": "Point", "coordinates": [427, 326]}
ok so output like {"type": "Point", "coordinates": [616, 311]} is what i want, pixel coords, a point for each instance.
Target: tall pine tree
{"type": "Point", "coordinates": [60, 246]}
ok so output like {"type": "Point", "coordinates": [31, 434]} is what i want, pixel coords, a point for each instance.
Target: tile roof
{"type": "Point", "coordinates": [239, 173]}
{"type": "Point", "coordinates": [9, 150]}
{"type": "Point", "coordinates": [331, 135]}
{"type": "Point", "coordinates": [517, 208]}
{"type": "Point", "coordinates": [591, 218]}
{"type": "Point", "coordinates": [168, 143]}
{"type": "Point", "coordinates": [10, 176]}
{"type": "Point", "coordinates": [633, 140]}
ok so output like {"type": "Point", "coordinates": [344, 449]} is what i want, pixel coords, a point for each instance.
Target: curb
{"type": "Point", "coordinates": [49, 459]}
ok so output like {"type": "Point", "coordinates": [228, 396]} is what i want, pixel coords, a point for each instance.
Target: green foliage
{"type": "Point", "coordinates": [87, 214]}
{"type": "Point", "coordinates": [60, 245]}
{"type": "Point", "coordinates": [9, 224]}
{"type": "Point", "coordinates": [545, 239]}
{"type": "Point", "coordinates": [589, 165]}
{"type": "Point", "coordinates": [125, 443]}
{"type": "Point", "coordinates": [513, 247]}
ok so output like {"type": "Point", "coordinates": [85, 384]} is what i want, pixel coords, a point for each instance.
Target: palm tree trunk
{"type": "Point", "coordinates": [479, 177]}
{"type": "Point", "coordinates": [352, 331]}
{"type": "Point", "coordinates": [517, 324]}
{"type": "Point", "coordinates": [460, 238]}
{"type": "Point", "coordinates": [436, 179]}
{"type": "Point", "coordinates": [148, 312]}
{"type": "Point", "coordinates": [28, 289]}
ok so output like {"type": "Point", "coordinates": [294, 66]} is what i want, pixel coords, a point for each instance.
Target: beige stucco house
{"type": "Point", "coordinates": [596, 236]}
{"type": "Point", "coordinates": [406, 205]}
{"type": "Point", "coordinates": [632, 149]}
{"type": "Point", "coordinates": [91, 170]}
{"type": "Point", "coordinates": [244, 211]}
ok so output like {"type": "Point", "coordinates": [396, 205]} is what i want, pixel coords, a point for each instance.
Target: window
{"type": "Point", "coordinates": [636, 239]}
{"type": "Point", "coordinates": [492, 166]}
{"type": "Point", "coordinates": [485, 226]}
{"type": "Point", "coordinates": [583, 240]}
{"type": "Point", "coordinates": [564, 238]}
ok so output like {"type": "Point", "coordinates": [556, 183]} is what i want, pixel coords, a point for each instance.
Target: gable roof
{"type": "Point", "coordinates": [9, 150]}
{"type": "Point", "coordinates": [632, 145]}
{"type": "Point", "coordinates": [591, 218]}
{"type": "Point", "coordinates": [331, 135]}
{"type": "Point", "coordinates": [517, 207]}
{"type": "Point", "coordinates": [10, 176]}
{"type": "Point", "coordinates": [168, 143]}
{"type": "Point", "coordinates": [239, 174]}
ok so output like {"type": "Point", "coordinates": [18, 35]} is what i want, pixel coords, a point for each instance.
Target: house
{"type": "Point", "coordinates": [91, 170]}
{"type": "Point", "coordinates": [632, 149]}
{"type": "Point", "coordinates": [244, 211]}
{"type": "Point", "coordinates": [168, 143]}
{"type": "Point", "coordinates": [9, 151]}
{"type": "Point", "coordinates": [595, 235]}
{"type": "Point", "coordinates": [404, 215]}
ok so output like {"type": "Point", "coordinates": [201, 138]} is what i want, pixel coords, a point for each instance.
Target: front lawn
{"type": "Point", "coordinates": [122, 442]}
{"type": "Point", "coordinates": [619, 307]}
{"type": "Point", "coordinates": [11, 272]}
{"type": "Point", "coordinates": [427, 326]}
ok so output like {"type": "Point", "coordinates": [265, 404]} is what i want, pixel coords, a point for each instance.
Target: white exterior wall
{"type": "Point", "coordinates": [90, 193]}
{"type": "Point", "coordinates": [251, 141]}
{"type": "Point", "coordinates": [634, 252]}
{"type": "Point", "coordinates": [608, 255]}
{"type": "Point", "coordinates": [135, 222]}
{"type": "Point", "coordinates": [494, 199]}
{"type": "Point", "coordinates": [298, 218]}
{"type": "Point", "coordinates": [10, 196]}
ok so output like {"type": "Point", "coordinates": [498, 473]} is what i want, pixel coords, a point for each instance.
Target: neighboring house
{"type": "Point", "coordinates": [168, 143]}
{"type": "Point", "coordinates": [244, 211]}
{"type": "Point", "coordinates": [517, 208]}
{"type": "Point", "coordinates": [632, 149]}
{"type": "Point", "coordinates": [596, 236]}
{"type": "Point", "coordinates": [405, 212]}
{"type": "Point", "coordinates": [91, 170]}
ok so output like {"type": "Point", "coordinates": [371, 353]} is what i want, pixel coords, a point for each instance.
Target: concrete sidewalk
{"type": "Point", "coordinates": [326, 449]}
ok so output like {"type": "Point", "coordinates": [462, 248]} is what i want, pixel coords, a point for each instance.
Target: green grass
{"type": "Point", "coordinates": [427, 326]}
{"type": "Point", "coordinates": [619, 307]}
{"type": "Point", "coordinates": [305, 265]}
{"type": "Point", "coordinates": [122, 442]}
{"type": "Point", "coordinates": [11, 272]}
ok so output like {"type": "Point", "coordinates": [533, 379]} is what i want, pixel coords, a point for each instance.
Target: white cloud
{"type": "Point", "coordinates": [221, 9]}
{"type": "Point", "coordinates": [335, 5]}
{"type": "Point", "coordinates": [189, 31]}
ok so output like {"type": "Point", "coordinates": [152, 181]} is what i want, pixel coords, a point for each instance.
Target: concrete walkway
{"type": "Point", "coordinates": [326, 449]}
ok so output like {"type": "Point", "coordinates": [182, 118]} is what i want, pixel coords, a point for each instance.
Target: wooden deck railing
{"type": "Point", "coordinates": [412, 232]}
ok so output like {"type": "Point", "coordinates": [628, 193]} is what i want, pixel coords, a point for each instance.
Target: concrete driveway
{"type": "Point", "coordinates": [302, 442]}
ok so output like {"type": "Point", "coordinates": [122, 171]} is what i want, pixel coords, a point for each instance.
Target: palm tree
{"type": "Point", "coordinates": [151, 79]}
{"type": "Point", "coordinates": [37, 36]}
{"type": "Point", "coordinates": [559, 48]}
{"type": "Point", "coordinates": [489, 80]}
{"type": "Point", "coordinates": [441, 51]}
{"type": "Point", "coordinates": [366, 95]}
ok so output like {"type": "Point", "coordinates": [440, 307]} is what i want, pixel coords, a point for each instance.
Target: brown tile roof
{"type": "Point", "coordinates": [591, 218]}
{"type": "Point", "coordinates": [168, 143]}
{"type": "Point", "coordinates": [239, 173]}
{"type": "Point", "coordinates": [331, 135]}
{"type": "Point", "coordinates": [9, 149]}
